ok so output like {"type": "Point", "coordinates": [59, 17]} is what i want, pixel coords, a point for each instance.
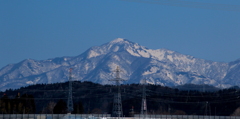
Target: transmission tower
{"type": "Point", "coordinates": [207, 108]}
{"type": "Point", "coordinates": [144, 101]}
{"type": "Point", "coordinates": [70, 101]}
{"type": "Point", "coordinates": [117, 102]}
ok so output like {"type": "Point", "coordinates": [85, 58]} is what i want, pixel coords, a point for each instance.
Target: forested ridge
{"type": "Point", "coordinates": [92, 98]}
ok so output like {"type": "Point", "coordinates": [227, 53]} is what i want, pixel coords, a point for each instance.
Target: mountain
{"type": "Point", "coordinates": [97, 64]}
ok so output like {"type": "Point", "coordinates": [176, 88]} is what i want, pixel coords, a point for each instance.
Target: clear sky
{"type": "Point", "coordinates": [43, 29]}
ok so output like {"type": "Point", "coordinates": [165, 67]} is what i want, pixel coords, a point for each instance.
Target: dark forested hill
{"type": "Point", "coordinates": [90, 97]}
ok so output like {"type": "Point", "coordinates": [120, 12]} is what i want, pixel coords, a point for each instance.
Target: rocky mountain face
{"type": "Point", "coordinates": [97, 64]}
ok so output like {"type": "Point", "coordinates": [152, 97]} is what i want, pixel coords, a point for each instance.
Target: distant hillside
{"type": "Point", "coordinates": [201, 88]}
{"type": "Point", "coordinates": [93, 98]}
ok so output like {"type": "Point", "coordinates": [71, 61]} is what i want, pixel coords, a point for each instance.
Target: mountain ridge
{"type": "Point", "coordinates": [96, 64]}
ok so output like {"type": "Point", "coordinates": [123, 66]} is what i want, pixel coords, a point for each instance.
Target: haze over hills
{"type": "Point", "coordinates": [97, 64]}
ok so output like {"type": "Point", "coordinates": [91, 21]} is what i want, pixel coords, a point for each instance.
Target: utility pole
{"type": "Point", "coordinates": [70, 101]}
{"type": "Point", "coordinates": [144, 101]}
{"type": "Point", "coordinates": [117, 101]}
{"type": "Point", "coordinates": [206, 108]}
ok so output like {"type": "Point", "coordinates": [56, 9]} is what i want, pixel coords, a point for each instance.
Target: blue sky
{"type": "Point", "coordinates": [43, 29]}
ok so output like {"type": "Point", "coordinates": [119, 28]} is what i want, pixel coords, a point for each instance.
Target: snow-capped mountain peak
{"type": "Point", "coordinates": [116, 45]}
{"type": "Point", "coordinates": [157, 66]}
{"type": "Point", "coordinates": [118, 40]}
{"type": "Point", "coordinates": [137, 50]}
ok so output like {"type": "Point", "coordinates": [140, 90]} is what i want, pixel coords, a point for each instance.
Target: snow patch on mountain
{"type": "Point", "coordinates": [37, 79]}
{"type": "Point", "coordinates": [157, 54]}
{"type": "Point", "coordinates": [112, 66]}
{"type": "Point", "coordinates": [116, 49]}
{"type": "Point", "coordinates": [29, 82]}
{"type": "Point", "coordinates": [143, 53]}
{"type": "Point", "coordinates": [170, 57]}
{"type": "Point", "coordinates": [118, 40]}
{"type": "Point", "coordinates": [116, 58]}
{"type": "Point", "coordinates": [132, 52]}
{"type": "Point", "coordinates": [151, 71]}
{"type": "Point", "coordinates": [92, 54]}
{"type": "Point", "coordinates": [87, 66]}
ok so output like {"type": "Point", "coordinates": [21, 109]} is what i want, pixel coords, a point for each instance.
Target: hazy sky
{"type": "Point", "coordinates": [43, 29]}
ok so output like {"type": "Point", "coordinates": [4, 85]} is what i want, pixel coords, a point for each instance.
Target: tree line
{"type": "Point", "coordinates": [92, 98]}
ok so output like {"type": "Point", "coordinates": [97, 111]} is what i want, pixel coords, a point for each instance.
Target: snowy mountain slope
{"type": "Point", "coordinates": [97, 64]}
{"type": "Point", "coordinates": [233, 74]}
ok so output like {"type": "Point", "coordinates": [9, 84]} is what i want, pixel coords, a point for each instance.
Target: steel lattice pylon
{"type": "Point", "coordinates": [144, 100]}
{"type": "Point", "coordinates": [70, 101]}
{"type": "Point", "coordinates": [117, 101]}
